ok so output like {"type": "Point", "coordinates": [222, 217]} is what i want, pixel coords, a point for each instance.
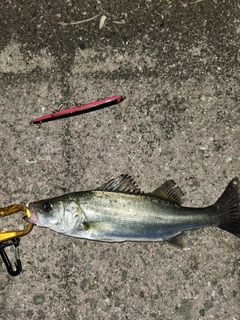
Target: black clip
{"type": "Point", "coordinates": [15, 243]}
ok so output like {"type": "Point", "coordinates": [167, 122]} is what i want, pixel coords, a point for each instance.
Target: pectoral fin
{"type": "Point", "coordinates": [97, 226]}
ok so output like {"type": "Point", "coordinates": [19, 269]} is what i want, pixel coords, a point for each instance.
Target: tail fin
{"type": "Point", "coordinates": [229, 205]}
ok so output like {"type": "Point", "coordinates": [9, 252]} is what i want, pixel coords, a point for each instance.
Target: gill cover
{"type": "Point", "coordinates": [58, 214]}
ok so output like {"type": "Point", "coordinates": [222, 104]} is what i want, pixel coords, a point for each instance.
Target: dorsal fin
{"type": "Point", "coordinates": [123, 183]}
{"type": "Point", "coordinates": [168, 191]}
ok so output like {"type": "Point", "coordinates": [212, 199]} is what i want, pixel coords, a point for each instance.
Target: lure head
{"type": "Point", "coordinates": [58, 214]}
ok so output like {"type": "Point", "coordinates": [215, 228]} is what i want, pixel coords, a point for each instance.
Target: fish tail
{"type": "Point", "coordinates": [229, 207]}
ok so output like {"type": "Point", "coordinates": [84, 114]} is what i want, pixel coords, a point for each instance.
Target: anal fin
{"type": "Point", "coordinates": [179, 241]}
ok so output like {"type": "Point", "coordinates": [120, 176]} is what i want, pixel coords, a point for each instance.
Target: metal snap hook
{"type": "Point", "coordinates": [10, 234]}
{"type": "Point", "coordinates": [11, 238]}
{"type": "Point", "coordinates": [18, 265]}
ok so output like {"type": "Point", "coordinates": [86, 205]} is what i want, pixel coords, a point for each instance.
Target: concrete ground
{"type": "Point", "coordinates": [178, 63]}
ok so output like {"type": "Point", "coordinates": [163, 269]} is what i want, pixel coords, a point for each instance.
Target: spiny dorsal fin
{"type": "Point", "coordinates": [168, 191]}
{"type": "Point", "coordinates": [123, 183]}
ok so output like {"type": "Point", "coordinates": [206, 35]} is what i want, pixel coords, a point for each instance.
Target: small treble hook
{"type": "Point", "coordinates": [15, 243]}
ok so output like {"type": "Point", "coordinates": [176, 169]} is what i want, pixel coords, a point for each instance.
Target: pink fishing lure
{"type": "Point", "coordinates": [102, 103]}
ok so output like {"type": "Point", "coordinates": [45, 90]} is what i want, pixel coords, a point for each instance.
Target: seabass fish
{"type": "Point", "coordinates": [118, 211]}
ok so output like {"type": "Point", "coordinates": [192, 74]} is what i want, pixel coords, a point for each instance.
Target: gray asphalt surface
{"type": "Point", "coordinates": [178, 63]}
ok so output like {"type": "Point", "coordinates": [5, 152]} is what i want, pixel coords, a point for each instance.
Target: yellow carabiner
{"type": "Point", "coordinates": [11, 234]}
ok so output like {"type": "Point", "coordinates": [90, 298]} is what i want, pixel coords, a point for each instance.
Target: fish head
{"type": "Point", "coordinates": [58, 214]}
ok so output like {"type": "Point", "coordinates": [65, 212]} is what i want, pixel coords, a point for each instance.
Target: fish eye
{"type": "Point", "coordinates": [47, 206]}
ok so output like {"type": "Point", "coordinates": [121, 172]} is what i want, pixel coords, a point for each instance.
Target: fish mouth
{"type": "Point", "coordinates": [34, 217]}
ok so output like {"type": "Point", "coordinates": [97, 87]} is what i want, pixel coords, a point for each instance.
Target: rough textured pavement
{"type": "Point", "coordinates": [178, 62]}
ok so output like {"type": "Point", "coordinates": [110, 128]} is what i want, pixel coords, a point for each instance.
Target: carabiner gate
{"type": "Point", "coordinates": [18, 264]}
{"type": "Point", "coordinates": [11, 234]}
{"type": "Point", "coordinates": [11, 237]}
